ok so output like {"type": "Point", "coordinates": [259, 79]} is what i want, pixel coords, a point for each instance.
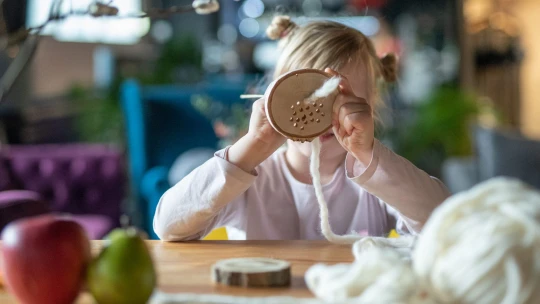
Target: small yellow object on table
{"type": "Point", "coordinates": [393, 234]}
{"type": "Point", "coordinates": [218, 234]}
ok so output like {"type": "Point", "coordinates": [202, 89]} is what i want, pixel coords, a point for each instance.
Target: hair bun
{"type": "Point", "coordinates": [389, 67]}
{"type": "Point", "coordinates": [280, 27]}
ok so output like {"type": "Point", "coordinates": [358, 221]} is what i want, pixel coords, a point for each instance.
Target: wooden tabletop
{"type": "Point", "coordinates": [185, 267]}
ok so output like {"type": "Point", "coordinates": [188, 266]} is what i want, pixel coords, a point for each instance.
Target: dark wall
{"type": "Point", "coordinates": [14, 14]}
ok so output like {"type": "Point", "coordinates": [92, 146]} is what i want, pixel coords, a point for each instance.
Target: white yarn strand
{"type": "Point", "coordinates": [323, 206]}
{"type": "Point", "coordinates": [402, 244]}
{"type": "Point", "coordinates": [328, 88]}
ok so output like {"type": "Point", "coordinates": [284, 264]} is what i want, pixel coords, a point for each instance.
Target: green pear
{"type": "Point", "coordinates": [123, 272]}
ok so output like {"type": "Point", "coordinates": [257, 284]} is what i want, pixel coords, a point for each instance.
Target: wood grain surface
{"type": "Point", "coordinates": [185, 267]}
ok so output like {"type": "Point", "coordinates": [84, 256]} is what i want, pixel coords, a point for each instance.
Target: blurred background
{"type": "Point", "coordinates": [109, 112]}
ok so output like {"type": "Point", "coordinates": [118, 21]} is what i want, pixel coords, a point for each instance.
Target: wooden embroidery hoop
{"type": "Point", "coordinates": [287, 110]}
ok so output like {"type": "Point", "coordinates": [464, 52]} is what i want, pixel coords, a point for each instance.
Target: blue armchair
{"type": "Point", "coordinates": [161, 124]}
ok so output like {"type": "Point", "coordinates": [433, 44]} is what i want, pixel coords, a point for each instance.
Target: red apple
{"type": "Point", "coordinates": [44, 259]}
{"type": "Point", "coordinates": [1, 278]}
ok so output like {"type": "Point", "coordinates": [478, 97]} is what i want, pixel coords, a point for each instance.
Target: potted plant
{"type": "Point", "coordinates": [440, 129]}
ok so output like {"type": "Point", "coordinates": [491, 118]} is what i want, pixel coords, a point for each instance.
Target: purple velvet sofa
{"type": "Point", "coordinates": [86, 181]}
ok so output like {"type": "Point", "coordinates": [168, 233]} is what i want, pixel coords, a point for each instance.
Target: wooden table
{"type": "Point", "coordinates": [185, 267]}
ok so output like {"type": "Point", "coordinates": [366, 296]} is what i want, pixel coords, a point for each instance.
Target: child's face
{"type": "Point", "coordinates": [331, 148]}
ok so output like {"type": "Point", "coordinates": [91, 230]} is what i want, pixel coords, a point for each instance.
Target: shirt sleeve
{"type": "Point", "coordinates": [394, 180]}
{"type": "Point", "coordinates": [191, 208]}
{"type": "Point", "coordinates": [402, 224]}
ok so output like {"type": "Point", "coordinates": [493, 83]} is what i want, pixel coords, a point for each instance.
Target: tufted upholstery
{"type": "Point", "coordinates": [87, 181]}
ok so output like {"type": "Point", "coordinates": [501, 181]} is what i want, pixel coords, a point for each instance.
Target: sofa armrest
{"type": "Point", "coordinates": [18, 204]}
{"type": "Point", "coordinates": [153, 184]}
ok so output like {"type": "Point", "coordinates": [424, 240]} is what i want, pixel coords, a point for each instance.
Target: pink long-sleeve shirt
{"type": "Point", "coordinates": [270, 204]}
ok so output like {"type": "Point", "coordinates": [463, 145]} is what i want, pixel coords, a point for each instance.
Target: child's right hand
{"type": "Point", "coordinates": [261, 140]}
{"type": "Point", "coordinates": [261, 129]}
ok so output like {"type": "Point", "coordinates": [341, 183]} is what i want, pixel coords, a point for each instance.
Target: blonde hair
{"type": "Point", "coordinates": [322, 44]}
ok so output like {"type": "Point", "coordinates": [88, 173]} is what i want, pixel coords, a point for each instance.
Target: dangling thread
{"type": "Point", "coordinates": [323, 206]}
{"type": "Point", "coordinates": [402, 244]}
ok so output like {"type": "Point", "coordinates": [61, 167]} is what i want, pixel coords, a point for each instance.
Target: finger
{"type": "Point", "coordinates": [343, 99]}
{"type": "Point", "coordinates": [351, 121]}
{"type": "Point", "coordinates": [341, 133]}
{"type": "Point", "coordinates": [352, 114]}
{"type": "Point", "coordinates": [357, 122]}
{"type": "Point", "coordinates": [331, 72]}
{"type": "Point", "coordinates": [352, 107]}
{"type": "Point", "coordinates": [338, 103]}
{"type": "Point", "coordinates": [335, 123]}
{"type": "Point", "coordinates": [345, 86]}
{"type": "Point", "coordinates": [259, 103]}
{"type": "Point", "coordinates": [259, 110]}
{"type": "Point", "coordinates": [337, 131]}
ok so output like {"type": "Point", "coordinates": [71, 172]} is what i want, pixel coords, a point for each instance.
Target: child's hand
{"type": "Point", "coordinates": [259, 143]}
{"type": "Point", "coordinates": [352, 121]}
{"type": "Point", "coordinates": [260, 128]}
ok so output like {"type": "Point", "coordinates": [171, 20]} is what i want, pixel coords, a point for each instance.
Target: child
{"type": "Point", "coordinates": [266, 193]}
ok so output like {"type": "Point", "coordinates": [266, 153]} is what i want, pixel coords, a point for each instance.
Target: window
{"type": "Point", "coordinates": [87, 28]}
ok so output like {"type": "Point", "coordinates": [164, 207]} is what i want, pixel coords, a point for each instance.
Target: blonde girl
{"type": "Point", "coordinates": [259, 190]}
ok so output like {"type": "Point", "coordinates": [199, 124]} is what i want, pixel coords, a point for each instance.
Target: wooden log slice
{"type": "Point", "coordinates": [252, 272]}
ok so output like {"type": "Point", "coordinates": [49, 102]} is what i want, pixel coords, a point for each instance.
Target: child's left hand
{"type": "Point", "coordinates": [352, 121]}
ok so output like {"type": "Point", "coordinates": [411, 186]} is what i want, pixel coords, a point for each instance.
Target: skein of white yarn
{"type": "Point", "coordinates": [378, 276]}
{"type": "Point", "coordinates": [402, 245]}
{"type": "Point", "coordinates": [483, 246]}
{"type": "Point", "coordinates": [480, 246]}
